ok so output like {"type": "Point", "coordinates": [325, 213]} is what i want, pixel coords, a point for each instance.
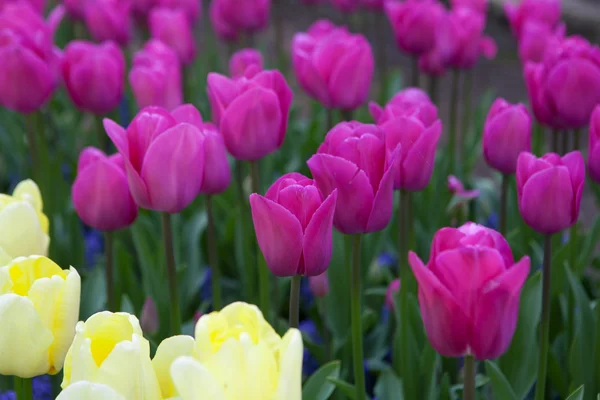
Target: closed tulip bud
{"type": "Point", "coordinates": [164, 159]}
{"type": "Point", "coordinates": [535, 38]}
{"type": "Point", "coordinates": [191, 7]}
{"type": "Point", "coordinates": [391, 293]}
{"type": "Point", "coordinates": [346, 6]}
{"type": "Point", "coordinates": [594, 146]}
{"type": "Point", "coordinates": [546, 12]}
{"type": "Point", "coordinates": [293, 225]}
{"type": "Point", "coordinates": [89, 391]}
{"type": "Point", "coordinates": [23, 224]}
{"type": "Point", "coordinates": [96, 172]}
{"type": "Point", "coordinates": [93, 75]}
{"type": "Point", "coordinates": [252, 113]}
{"type": "Point", "coordinates": [29, 67]}
{"type": "Point", "coordinates": [39, 307]}
{"type": "Point", "coordinates": [149, 318]}
{"type": "Point", "coordinates": [245, 62]}
{"type": "Point", "coordinates": [155, 76]}
{"type": "Point", "coordinates": [172, 27]}
{"type": "Point", "coordinates": [319, 285]}
{"type": "Point", "coordinates": [109, 20]}
{"type": "Point", "coordinates": [38, 5]}
{"type": "Point", "coordinates": [232, 17]}
{"type": "Point", "coordinates": [333, 66]}
{"type": "Point", "coordinates": [549, 190]}
{"type": "Point", "coordinates": [354, 160]}
{"type": "Point", "coordinates": [110, 349]}
{"type": "Point", "coordinates": [469, 292]}
{"type": "Point", "coordinates": [506, 133]}
{"type": "Point", "coordinates": [408, 102]}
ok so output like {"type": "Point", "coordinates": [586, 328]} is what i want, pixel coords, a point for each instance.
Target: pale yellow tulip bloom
{"type": "Point", "coordinates": [89, 391]}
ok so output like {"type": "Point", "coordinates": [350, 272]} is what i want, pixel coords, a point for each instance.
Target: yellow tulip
{"type": "Point", "coordinates": [39, 307]}
{"type": "Point", "coordinates": [89, 391]}
{"type": "Point", "coordinates": [23, 225]}
{"type": "Point", "coordinates": [110, 349]}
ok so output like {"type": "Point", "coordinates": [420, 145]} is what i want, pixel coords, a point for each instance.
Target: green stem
{"type": "Point", "coordinates": [23, 388]}
{"type": "Point", "coordinates": [414, 79]}
{"type": "Point", "coordinates": [246, 271]}
{"type": "Point", "coordinates": [538, 139]}
{"type": "Point", "coordinates": [469, 379]}
{"type": "Point", "coordinates": [565, 143]}
{"type": "Point", "coordinates": [555, 146]}
{"type": "Point", "coordinates": [356, 315]}
{"type": "Point", "coordinates": [453, 114]}
{"type": "Point", "coordinates": [347, 115]}
{"type": "Point", "coordinates": [213, 258]}
{"type": "Point", "coordinates": [108, 255]}
{"type": "Point", "coordinates": [32, 142]}
{"type": "Point", "coordinates": [326, 333]}
{"type": "Point", "coordinates": [468, 93]}
{"type": "Point", "coordinates": [433, 88]}
{"type": "Point", "coordinates": [295, 301]}
{"type": "Point", "coordinates": [171, 274]}
{"type": "Point", "coordinates": [545, 327]}
{"type": "Point", "coordinates": [576, 137]}
{"type": "Point", "coordinates": [504, 203]}
{"type": "Point", "coordinates": [263, 272]}
{"type": "Point", "coordinates": [329, 119]}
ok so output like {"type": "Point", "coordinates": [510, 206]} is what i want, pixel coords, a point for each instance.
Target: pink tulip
{"type": "Point", "coordinates": [164, 159]}
{"type": "Point", "coordinates": [109, 20]}
{"type": "Point", "coordinates": [594, 146]}
{"type": "Point", "coordinates": [391, 293]}
{"type": "Point", "coordinates": [232, 17]}
{"type": "Point", "coordinates": [319, 285]}
{"type": "Point", "coordinates": [191, 7]}
{"type": "Point", "coordinates": [243, 60]}
{"type": "Point", "coordinates": [457, 188]}
{"type": "Point", "coordinates": [414, 23]}
{"type": "Point", "coordinates": [75, 8]}
{"type": "Point", "coordinates": [408, 102]}
{"type": "Point", "coordinates": [93, 75]}
{"type": "Point", "coordinates": [141, 8]}
{"type": "Point", "coordinates": [97, 173]}
{"type": "Point", "coordinates": [30, 66]}
{"type": "Point", "coordinates": [149, 319]}
{"type": "Point", "coordinates": [535, 38]}
{"type": "Point", "coordinates": [252, 114]}
{"type": "Point", "coordinates": [469, 292]}
{"type": "Point", "coordinates": [333, 66]}
{"type": "Point", "coordinates": [433, 63]}
{"type": "Point", "coordinates": [354, 160]}
{"type": "Point", "coordinates": [293, 225]}
{"type": "Point", "coordinates": [346, 6]}
{"type": "Point", "coordinates": [549, 190]}
{"type": "Point", "coordinates": [373, 5]}
{"type": "Point", "coordinates": [479, 6]}
{"type": "Point", "coordinates": [155, 76]}
{"type": "Point", "coordinates": [38, 5]}
{"type": "Point", "coordinates": [506, 133]}
{"type": "Point", "coordinates": [174, 29]}
{"type": "Point", "coordinates": [565, 87]}
{"type": "Point", "coordinates": [546, 12]}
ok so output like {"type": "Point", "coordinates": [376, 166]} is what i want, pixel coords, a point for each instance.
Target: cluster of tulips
{"type": "Point", "coordinates": [168, 155]}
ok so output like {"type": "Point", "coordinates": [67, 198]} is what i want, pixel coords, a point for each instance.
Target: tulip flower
{"type": "Point", "coordinates": [535, 38]}
{"type": "Point", "coordinates": [545, 178]}
{"type": "Point", "coordinates": [546, 12]}
{"type": "Point", "coordinates": [93, 75]}
{"type": "Point", "coordinates": [141, 8]}
{"type": "Point", "coordinates": [109, 20]}
{"type": "Point", "coordinates": [319, 285]}
{"type": "Point", "coordinates": [391, 293]}
{"type": "Point", "coordinates": [164, 159]}
{"type": "Point", "coordinates": [554, 86]}
{"type": "Point", "coordinates": [75, 8]}
{"type": "Point", "coordinates": [230, 18]}
{"type": "Point", "coordinates": [191, 7]}
{"type": "Point", "coordinates": [110, 349]}
{"type": "Point", "coordinates": [243, 60]}
{"type": "Point", "coordinates": [89, 391]}
{"type": "Point", "coordinates": [29, 67]}
{"type": "Point", "coordinates": [469, 291]}
{"type": "Point", "coordinates": [333, 66]}
{"type": "Point", "coordinates": [479, 6]}
{"type": "Point", "coordinates": [252, 113]}
{"type": "Point", "coordinates": [38, 5]}
{"type": "Point", "coordinates": [408, 102]}
{"type": "Point", "coordinates": [23, 224]}
{"type": "Point", "coordinates": [39, 307]}
{"type": "Point", "coordinates": [506, 133]}
{"type": "Point", "coordinates": [293, 224]}
{"type": "Point", "coordinates": [172, 27]}
{"type": "Point", "coordinates": [354, 160]}
{"type": "Point", "coordinates": [594, 146]}
{"type": "Point", "coordinates": [346, 6]}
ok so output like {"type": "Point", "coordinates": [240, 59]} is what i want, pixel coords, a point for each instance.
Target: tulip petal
{"type": "Point", "coordinates": [168, 351]}
{"type": "Point", "coordinates": [188, 113]}
{"type": "Point", "coordinates": [289, 386]}
{"type": "Point", "coordinates": [194, 381]}
{"type": "Point", "coordinates": [279, 235]}
{"type": "Point", "coordinates": [310, 79]}
{"type": "Point", "coordinates": [383, 203]}
{"type": "Point", "coordinates": [117, 135]}
{"type": "Point", "coordinates": [88, 156]}
{"type": "Point", "coordinates": [496, 312]}
{"type": "Point", "coordinates": [89, 391]}
{"type": "Point", "coordinates": [351, 79]}
{"type": "Point", "coordinates": [576, 165]}
{"type": "Point", "coordinates": [317, 245]}
{"type": "Point", "coordinates": [25, 236]}
{"type": "Point", "coordinates": [221, 92]}
{"type": "Point", "coordinates": [444, 239]}
{"type": "Point", "coordinates": [275, 81]}
{"type": "Point", "coordinates": [376, 111]}
{"type": "Point", "coordinates": [420, 159]}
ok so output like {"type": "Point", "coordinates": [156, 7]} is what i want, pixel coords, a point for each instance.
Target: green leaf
{"type": "Point", "coordinates": [429, 363]}
{"type": "Point", "coordinates": [389, 386]}
{"type": "Point", "coordinates": [586, 251]}
{"type": "Point", "coordinates": [597, 352]}
{"type": "Point", "coordinates": [346, 388]}
{"type": "Point", "coordinates": [445, 387]}
{"type": "Point", "coordinates": [318, 387]}
{"type": "Point", "coordinates": [556, 375]}
{"type": "Point", "coordinates": [577, 394]}
{"type": "Point", "coordinates": [500, 386]}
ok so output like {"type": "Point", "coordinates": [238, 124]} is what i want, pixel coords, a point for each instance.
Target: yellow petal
{"type": "Point", "coordinates": [20, 231]}
{"type": "Point", "coordinates": [289, 386]}
{"type": "Point", "coordinates": [167, 352]}
{"type": "Point", "coordinates": [261, 371]}
{"type": "Point", "coordinates": [229, 369]}
{"type": "Point", "coordinates": [194, 381]}
{"type": "Point", "coordinates": [27, 190]}
{"type": "Point", "coordinates": [89, 391]}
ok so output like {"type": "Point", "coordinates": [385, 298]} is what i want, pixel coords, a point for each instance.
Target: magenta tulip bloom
{"type": "Point", "coordinates": [37, 5]}
{"type": "Point", "coordinates": [232, 17]}
{"type": "Point", "coordinates": [75, 8]}
{"type": "Point", "coordinates": [346, 6]}
{"type": "Point", "coordinates": [243, 60]}
{"type": "Point", "coordinates": [391, 293]}
{"type": "Point", "coordinates": [29, 67]}
{"type": "Point", "coordinates": [101, 210]}
{"type": "Point", "coordinates": [479, 6]}
{"type": "Point", "coordinates": [174, 29]}
{"type": "Point", "coordinates": [469, 291]}
{"type": "Point", "coordinates": [109, 20]}
{"type": "Point", "coordinates": [164, 159]}
{"type": "Point", "coordinates": [414, 23]}
{"type": "Point", "coordinates": [354, 160]}
{"type": "Point", "coordinates": [191, 7]}
{"type": "Point", "coordinates": [546, 12]}
{"type": "Point", "coordinates": [141, 8]}
{"type": "Point", "coordinates": [373, 5]}
{"type": "Point", "coordinates": [594, 146]}
{"type": "Point", "coordinates": [293, 224]}
{"type": "Point", "coordinates": [333, 66]}
{"type": "Point", "coordinates": [507, 133]}
{"type": "Point", "coordinates": [549, 190]}
{"type": "Point", "coordinates": [408, 102]}
{"type": "Point", "coordinates": [93, 75]}
{"type": "Point", "coordinates": [252, 114]}
{"type": "Point", "coordinates": [319, 285]}
{"type": "Point", "coordinates": [456, 187]}
{"type": "Point", "coordinates": [535, 38]}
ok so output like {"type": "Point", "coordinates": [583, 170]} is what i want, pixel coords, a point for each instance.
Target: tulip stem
{"type": "Point", "coordinates": [504, 203]}
{"type": "Point", "coordinates": [171, 274]}
{"type": "Point", "coordinates": [32, 141]}
{"type": "Point", "coordinates": [347, 115]}
{"type": "Point", "coordinates": [453, 120]}
{"type": "Point", "coordinates": [357, 334]}
{"type": "Point", "coordinates": [295, 301]}
{"type": "Point", "coordinates": [263, 272]}
{"type": "Point", "coordinates": [565, 143]}
{"type": "Point", "coordinates": [108, 254]}
{"type": "Point", "coordinates": [23, 388]}
{"type": "Point", "coordinates": [469, 378]}
{"type": "Point", "coordinates": [213, 257]}
{"type": "Point", "coordinates": [414, 80]}
{"type": "Point", "coordinates": [247, 274]}
{"type": "Point", "coordinates": [329, 119]}
{"type": "Point", "coordinates": [433, 88]}
{"type": "Point", "coordinates": [545, 328]}
{"type": "Point", "coordinates": [538, 139]}
{"type": "Point", "coordinates": [576, 137]}
{"type": "Point", "coordinates": [555, 148]}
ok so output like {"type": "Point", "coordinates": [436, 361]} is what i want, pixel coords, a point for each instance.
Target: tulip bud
{"type": "Point", "coordinates": [594, 146]}
{"type": "Point", "coordinates": [469, 292]}
{"type": "Point", "coordinates": [293, 225]}
{"type": "Point", "coordinates": [149, 318]}
{"type": "Point", "coordinates": [232, 17]}
{"type": "Point", "coordinates": [319, 285]}
{"type": "Point", "coordinates": [549, 190]}
{"type": "Point", "coordinates": [172, 27]}
{"type": "Point", "coordinates": [245, 60]}
{"type": "Point", "coordinates": [191, 7]}
{"type": "Point", "coordinates": [408, 102]}
{"type": "Point", "coordinates": [109, 20]}
{"type": "Point", "coordinates": [252, 114]}
{"type": "Point", "coordinates": [96, 172]}
{"type": "Point", "coordinates": [75, 8]}
{"type": "Point", "coordinates": [535, 38]}
{"type": "Point", "coordinates": [391, 293]}
{"type": "Point", "coordinates": [93, 75]}
{"type": "Point", "coordinates": [456, 187]}
{"type": "Point", "coordinates": [39, 307]}
{"type": "Point", "coordinates": [546, 12]}
{"type": "Point", "coordinates": [507, 133]}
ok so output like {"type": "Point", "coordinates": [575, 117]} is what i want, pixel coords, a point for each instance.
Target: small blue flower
{"type": "Point", "coordinates": [124, 114]}
{"type": "Point", "coordinates": [206, 285]}
{"type": "Point", "coordinates": [493, 221]}
{"type": "Point", "coordinates": [386, 259]}
{"type": "Point", "coordinates": [94, 246]}
{"type": "Point", "coordinates": [42, 388]}
{"type": "Point", "coordinates": [65, 170]}
{"type": "Point", "coordinates": [8, 395]}
{"type": "Point", "coordinates": [305, 293]}
{"type": "Point", "coordinates": [309, 363]}
{"type": "Point", "coordinates": [370, 379]}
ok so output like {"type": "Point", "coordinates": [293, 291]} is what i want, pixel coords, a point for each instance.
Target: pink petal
{"type": "Point", "coordinates": [301, 201]}
{"type": "Point", "coordinates": [383, 203]}
{"type": "Point", "coordinates": [375, 110]}
{"type": "Point", "coordinates": [317, 245]}
{"type": "Point", "coordinates": [419, 162]}
{"type": "Point", "coordinates": [88, 156]}
{"type": "Point", "coordinates": [117, 135]}
{"type": "Point", "coordinates": [188, 113]}
{"type": "Point", "coordinates": [275, 81]}
{"type": "Point", "coordinates": [221, 92]}
{"type": "Point", "coordinates": [576, 165]}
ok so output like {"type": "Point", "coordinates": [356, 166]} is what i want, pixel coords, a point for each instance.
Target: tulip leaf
{"type": "Point", "coordinates": [577, 394]}
{"type": "Point", "coordinates": [445, 387]}
{"type": "Point", "coordinates": [429, 363]}
{"type": "Point", "coordinates": [500, 386]}
{"type": "Point", "coordinates": [586, 249]}
{"type": "Point", "coordinates": [556, 374]}
{"type": "Point", "coordinates": [597, 351]}
{"type": "Point", "coordinates": [348, 389]}
{"type": "Point", "coordinates": [389, 386]}
{"type": "Point", "coordinates": [318, 387]}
